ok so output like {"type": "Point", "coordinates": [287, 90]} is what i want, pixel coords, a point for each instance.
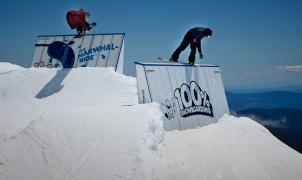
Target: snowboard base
{"type": "Point", "coordinates": [168, 60]}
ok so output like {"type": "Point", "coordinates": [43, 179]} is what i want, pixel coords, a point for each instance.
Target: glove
{"type": "Point", "coordinates": [91, 25]}
{"type": "Point", "coordinates": [200, 56]}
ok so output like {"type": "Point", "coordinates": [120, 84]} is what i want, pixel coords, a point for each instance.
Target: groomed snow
{"type": "Point", "coordinates": [8, 67]}
{"type": "Point", "coordinates": [86, 123]}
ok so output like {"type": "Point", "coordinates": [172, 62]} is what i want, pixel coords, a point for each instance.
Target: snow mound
{"type": "Point", "coordinates": [90, 144]}
{"type": "Point", "coordinates": [6, 67]}
{"type": "Point", "coordinates": [28, 93]}
{"type": "Point", "coordinates": [233, 148]}
{"type": "Point", "coordinates": [86, 123]}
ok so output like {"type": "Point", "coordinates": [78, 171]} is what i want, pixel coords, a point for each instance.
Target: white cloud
{"type": "Point", "coordinates": [277, 70]}
{"type": "Point", "coordinates": [273, 123]}
{"type": "Point", "coordinates": [260, 73]}
{"type": "Point", "coordinates": [290, 69]}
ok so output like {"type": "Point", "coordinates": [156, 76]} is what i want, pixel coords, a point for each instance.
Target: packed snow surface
{"type": "Point", "coordinates": [86, 123]}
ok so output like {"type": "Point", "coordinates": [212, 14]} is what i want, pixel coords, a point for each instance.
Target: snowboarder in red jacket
{"type": "Point", "coordinates": [77, 20]}
{"type": "Point", "coordinates": [193, 38]}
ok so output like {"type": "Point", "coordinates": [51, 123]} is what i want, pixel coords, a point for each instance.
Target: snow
{"type": "Point", "coordinates": [86, 123]}
{"type": "Point", "coordinates": [233, 148]}
{"type": "Point", "coordinates": [8, 67]}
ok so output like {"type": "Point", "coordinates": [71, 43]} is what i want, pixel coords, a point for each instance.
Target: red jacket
{"type": "Point", "coordinates": [76, 19]}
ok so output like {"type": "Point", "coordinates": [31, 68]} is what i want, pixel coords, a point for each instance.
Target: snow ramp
{"type": "Point", "coordinates": [86, 123]}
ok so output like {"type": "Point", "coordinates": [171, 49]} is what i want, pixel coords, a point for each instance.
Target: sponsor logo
{"type": "Point", "coordinates": [42, 64]}
{"type": "Point", "coordinates": [60, 51]}
{"type": "Point", "coordinates": [150, 70]}
{"type": "Point", "coordinates": [169, 108]}
{"type": "Point", "coordinates": [192, 100]}
{"type": "Point", "coordinates": [85, 55]}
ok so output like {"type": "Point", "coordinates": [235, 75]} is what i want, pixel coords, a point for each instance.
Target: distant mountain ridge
{"type": "Point", "coordinates": [287, 88]}
{"type": "Point", "coordinates": [267, 100]}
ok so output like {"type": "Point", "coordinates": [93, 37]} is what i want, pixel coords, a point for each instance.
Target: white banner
{"type": "Point", "coordinates": [91, 50]}
{"type": "Point", "coordinates": [189, 96]}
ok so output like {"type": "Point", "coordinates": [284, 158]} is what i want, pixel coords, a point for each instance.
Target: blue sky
{"type": "Point", "coordinates": [256, 43]}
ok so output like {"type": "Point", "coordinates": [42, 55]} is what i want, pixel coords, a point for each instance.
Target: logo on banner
{"type": "Point", "coordinates": [89, 54]}
{"type": "Point", "coordinates": [192, 100]}
{"type": "Point", "coordinates": [60, 51]}
{"type": "Point", "coordinates": [169, 108]}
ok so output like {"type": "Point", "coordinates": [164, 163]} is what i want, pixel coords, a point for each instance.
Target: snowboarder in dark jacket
{"type": "Point", "coordinates": [192, 37]}
{"type": "Point", "coordinates": [77, 20]}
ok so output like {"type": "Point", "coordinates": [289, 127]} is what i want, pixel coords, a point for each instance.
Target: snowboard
{"type": "Point", "coordinates": [92, 25]}
{"type": "Point", "coordinates": [168, 60]}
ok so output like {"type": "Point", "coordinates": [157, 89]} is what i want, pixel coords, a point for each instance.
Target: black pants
{"type": "Point", "coordinates": [188, 39]}
{"type": "Point", "coordinates": [81, 29]}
